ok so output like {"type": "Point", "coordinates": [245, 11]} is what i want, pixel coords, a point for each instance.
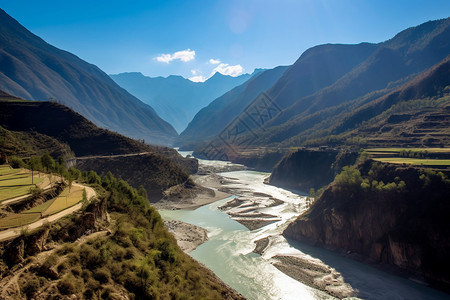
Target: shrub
{"type": "Point", "coordinates": [16, 162]}
{"type": "Point", "coordinates": [66, 285]}
{"type": "Point", "coordinates": [350, 177]}
{"type": "Point", "coordinates": [31, 286]}
{"type": "Point", "coordinates": [102, 275]}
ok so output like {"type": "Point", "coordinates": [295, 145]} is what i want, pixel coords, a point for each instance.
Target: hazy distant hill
{"type": "Point", "coordinates": [309, 117]}
{"type": "Point", "coordinates": [32, 69]}
{"type": "Point", "coordinates": [177, 99]}
{"type": "Point", "coordinates": [213, 118]}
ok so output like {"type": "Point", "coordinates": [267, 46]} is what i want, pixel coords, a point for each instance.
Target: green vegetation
{"type": "Point", "coordinates": [412, 156]}
{"type": "Point", "coordinates": [65, 200]}
{"type": "Point", "coordinates": [400, 150]}
{"type": "Point", "coordinates": [17, 220]}
{"type": "Point", "coordinates": [352, 182]}
{"type": "Point", "coordinates": [415, 161]}
{"type": "Point", "coordinates": [140, 259]}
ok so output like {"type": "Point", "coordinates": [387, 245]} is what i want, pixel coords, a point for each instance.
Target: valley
{"type": "Point", "coordinates": [318, 274]}
{"type": "Point", "coordinates": [231, 154]}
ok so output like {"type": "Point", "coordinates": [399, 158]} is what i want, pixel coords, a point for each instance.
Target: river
{"type": "Point", "coordinates": [229, 251]}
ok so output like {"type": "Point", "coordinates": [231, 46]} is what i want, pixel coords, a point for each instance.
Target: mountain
{"type": "Point", "coordinates": [314, 118]}
{"type": "Point", "coordinates": [177, 99]}
{"type": "Point", "coordinates": [32, 69]}
{"type": "Point", "coordinates": [213, 118]}
{"type": "Point", "coordinates": [33, 127]}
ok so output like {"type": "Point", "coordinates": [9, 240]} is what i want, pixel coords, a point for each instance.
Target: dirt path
{"type": "Point", "coordinates": [15, 232]}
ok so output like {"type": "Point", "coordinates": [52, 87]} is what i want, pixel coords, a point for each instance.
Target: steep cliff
{"type": "Point", "coordinates": [306, 168]}
{"type": "Point", "coordinates": [391, 214]}
{"type": "Point", "coordinates": [153, 171]}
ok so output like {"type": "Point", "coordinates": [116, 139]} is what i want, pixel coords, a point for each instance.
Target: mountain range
{"type": "Point", "coordinates": [224, 109]}
{"type": "Point", "coordinates": [175, 98]}
{"type": "Point", "coordinates": [312, 99]}
{"type": "Point", "coordinates": [32, 69]}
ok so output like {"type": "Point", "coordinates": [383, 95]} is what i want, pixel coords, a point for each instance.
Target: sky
{"type": "Point", "coordinates": [195, 39]}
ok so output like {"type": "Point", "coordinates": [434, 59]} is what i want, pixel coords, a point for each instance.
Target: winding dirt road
{"type": "Point", "coordinates": [15, 232]}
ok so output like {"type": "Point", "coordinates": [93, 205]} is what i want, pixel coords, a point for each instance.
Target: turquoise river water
{"type": "Point", "coordinates": [228, 252]}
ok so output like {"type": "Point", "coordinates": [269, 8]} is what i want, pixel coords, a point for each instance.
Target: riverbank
{"type": "Point", "coordinates": [205, 191]}
{"type": "Point", "coordinates": [188, 236]}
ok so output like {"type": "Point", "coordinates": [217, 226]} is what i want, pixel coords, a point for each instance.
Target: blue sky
{"type": "Point", "coordinates": [196, 38]}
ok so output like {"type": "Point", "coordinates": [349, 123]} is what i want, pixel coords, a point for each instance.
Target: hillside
{"type": "Point", "coordinates": [32, 69]}
{"type": "Point", "coordinates": [213, 118]}
{"type": "Point", "coordinates": [333, 113]}
{"type": "Point", "coordinates": [394, 62]}
{"type": "Point", "coordinates": [174, 98]}
{"type": "Point", "coordinates": [32, 127]}
{"type": "Point", "coordinates": [414, 114]}
{"type": "Point", "coordinates": [115, 247]}
{"type": "Point", "coordinates": [63, 124]}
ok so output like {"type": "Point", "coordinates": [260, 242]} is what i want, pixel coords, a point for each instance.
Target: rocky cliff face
{"type": "Point", "coordinates": [406, 224]}
{"type": "Point", "coordinates": [305, 169]}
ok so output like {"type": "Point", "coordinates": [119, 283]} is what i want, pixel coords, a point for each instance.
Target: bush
{"type": "Point", "coordinates": [66, 285]}
{"type": "Point", "coordinates": [102, 275]}
{"type": "Point", "coordinates": [16, 162]}
{"type": "Point", "coordinates": [349, 177]}
{"type": "Point", "coordinates": [31, 286]}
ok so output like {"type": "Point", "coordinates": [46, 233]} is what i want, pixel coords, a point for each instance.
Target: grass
{"type": "Point", "coordinates": [65, 200]}
{"type": "Point", "coordinates": [17, 220]}
{"type": "Point", "coordinates": [41, 208]}
{"type": "Point", "coordinates": [5, 169]}
{"type": "Point", "coordinates": [415, 161]}
{"type": "Point", "coordinates": [55, 205]}
{"type": "Point", "coordinates": [16, 182]}
{"type": "Point", "coordinates": [397, 150]}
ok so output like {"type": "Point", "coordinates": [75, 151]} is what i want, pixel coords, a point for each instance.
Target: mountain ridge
{"type": "Point", "coordinates": [33, 69]}
{"type": "Point", "coordinates": [309, 120]}
{"type": "Point", "coordinates": [175, 98]}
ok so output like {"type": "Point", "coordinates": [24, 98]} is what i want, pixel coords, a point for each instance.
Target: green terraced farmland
{"type": "Point", "coordinates": [16, 182]}
{"type": "Point", "coordinates": [42, 207]}
{"type": "Point", "coordinates": [17, 220]}
{"type": "Point", "coordinates": [65, 200]}
{"type": "Point", "coordinates": [415, 161]}
{"type": "Point", "coordinates": [398, 150]}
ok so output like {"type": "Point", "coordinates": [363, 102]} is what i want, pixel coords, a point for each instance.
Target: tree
{"type": "Point", "coordinates": [34, 163]}
{"type": "Point", "coordinates": [350, 176]}
{"type": "Point", "coordinates": [48, 162]}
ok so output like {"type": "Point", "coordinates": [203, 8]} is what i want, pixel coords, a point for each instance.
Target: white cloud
{"type": "Point", "coordinates": [184, 56]}
{"type": "Point", "coordinates": [198, 78]}
{"type": "Point", "coordinates": [214, 61]}
{"type": "Point", "coordinates": [226, 69]}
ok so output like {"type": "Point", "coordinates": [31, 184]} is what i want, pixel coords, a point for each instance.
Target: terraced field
{"type": "Point", "coordinates": [17, 220]}
{"type": "Point", "coordinates": [16, 182]}
{"type": "Point", "coordinates": [415, 161]}
{"type": "Point", "coordinates": [430, 157]}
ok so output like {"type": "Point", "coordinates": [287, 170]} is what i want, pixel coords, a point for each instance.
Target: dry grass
{"type": "Point", "coordinates": [415, 161]}
{"type": "Point", "coordinates": [65, 200]}
{"type": "Point", "coordinates": [17, 220]}
{"type": "Point", "coordinates": [41, 208]}
{"type": "Point", "coordinates": [16, 182]}
{"type": "Point", "coordinates": [397, 150]}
